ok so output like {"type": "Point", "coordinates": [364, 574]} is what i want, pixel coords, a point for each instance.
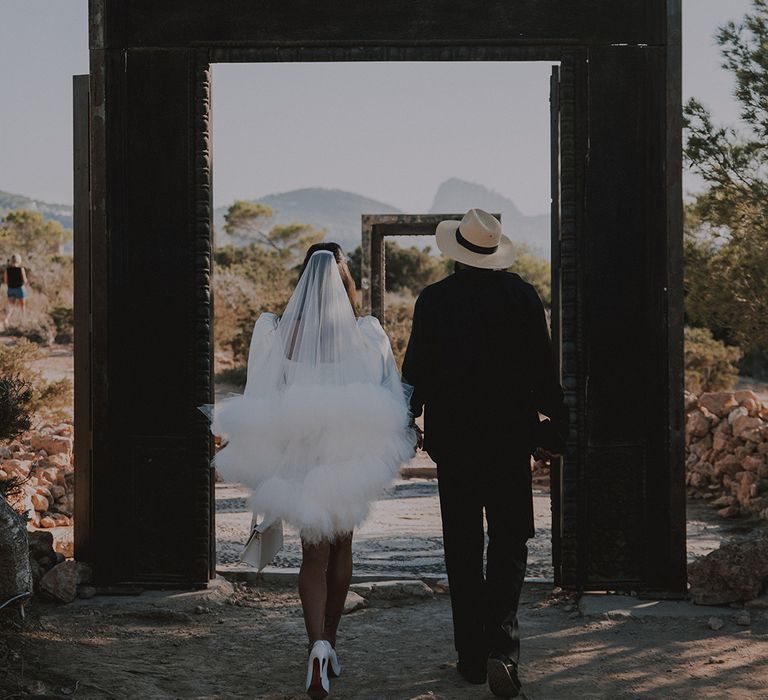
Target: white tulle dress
{"type": "Point", "coordinates": [323, 426]}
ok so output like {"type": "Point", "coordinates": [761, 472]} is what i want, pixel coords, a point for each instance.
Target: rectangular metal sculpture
{"type": "Point", "coordinates": [619, 278]}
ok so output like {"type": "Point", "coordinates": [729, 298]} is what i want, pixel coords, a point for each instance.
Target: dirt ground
{"type": "Point", "coordinates": [253, 647]}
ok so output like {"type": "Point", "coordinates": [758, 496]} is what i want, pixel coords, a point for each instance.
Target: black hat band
{"type": "Point", "coordinates": [482, 250]}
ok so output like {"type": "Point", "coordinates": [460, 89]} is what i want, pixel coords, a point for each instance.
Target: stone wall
{"type": "Point", "coordinates": [46, 460]}
{"type": "Point", "coordinates": [726, 437]}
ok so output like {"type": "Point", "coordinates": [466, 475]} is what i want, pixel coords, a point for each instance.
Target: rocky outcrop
{"type": "Point", "coordinates": [15, 572]}
{"type": "Point", "coordinates": [726, 441]}
{"type": "Point", "coordinates": [45, 461]}
{"type": "Point", "coordinates": [735, 572]}
{"type": "Point", "coordinates": [62, 581]}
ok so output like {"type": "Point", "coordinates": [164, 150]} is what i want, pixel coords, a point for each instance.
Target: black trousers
{"type": "Point", "coordinates": [484, 604]}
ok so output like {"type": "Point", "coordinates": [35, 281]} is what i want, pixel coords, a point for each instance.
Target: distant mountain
{"type": "Point", "coordinates": [455, 195]}
{"type": "Point", "coordinates": [339, 212]}
{"type": "Point", "coordinates": [60, 212]}
{"type": "Point", "coordinates": [336, 211]}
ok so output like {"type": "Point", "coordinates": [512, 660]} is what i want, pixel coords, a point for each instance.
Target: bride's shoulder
{"type": "Point", "coordinates": [369, 323]}
{"type": "Point", "coordinates": [371, 328]}
{"type": "Point", "coordinates": [266, 322]}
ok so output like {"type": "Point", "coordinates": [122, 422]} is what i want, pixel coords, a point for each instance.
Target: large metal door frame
{"type": "Point", "coordinates": [619, 226]}
{"type": "Point", "coordinates": [81, 143]}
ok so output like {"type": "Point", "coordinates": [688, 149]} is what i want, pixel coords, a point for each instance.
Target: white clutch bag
{"type": "Point", "coordinates": [265, 542]}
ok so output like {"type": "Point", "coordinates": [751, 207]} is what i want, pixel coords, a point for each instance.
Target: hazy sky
{"type": "Point", "coordinates": [389, 131]}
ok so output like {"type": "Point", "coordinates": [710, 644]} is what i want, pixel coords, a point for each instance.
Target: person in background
{"type": "Point", "coordinates": [15, 279]}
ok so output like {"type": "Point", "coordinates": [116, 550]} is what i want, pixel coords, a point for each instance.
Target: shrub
{"type": "Point", "coordinates": [38, 328]}
{"type": "Point", "coordinates": [15, 419]}
{"type": "Point", "coordinates": [233, 375]}
{"type": "Point", "coordinates": [63, 318]}
{"type": "Point", "coordinates": [710, 364]}
{"type": "Point", "coordinates": [398, 318]}
{"type": "Point", "coordinates": [16, 361]}
{"type": "Point", "coordinates": [15, 400]}
{"type": "Point", "coordinates": [405, 270]}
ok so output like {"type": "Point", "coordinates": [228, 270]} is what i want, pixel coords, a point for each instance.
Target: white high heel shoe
{"type": "Point", "coordinates": [318, 685]}
{"type": "Point", "coordinates": [334, 667]}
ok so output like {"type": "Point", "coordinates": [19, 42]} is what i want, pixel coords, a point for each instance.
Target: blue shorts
{"type": "Point", "coordinates": [17, 292]}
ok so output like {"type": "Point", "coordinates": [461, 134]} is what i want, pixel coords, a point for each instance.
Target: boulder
{"type": "Point", "coordinates": [691, 401]}
{"type": "Point", "coordinates": [354, 602]}
{"type": "Point", "coordinates": [723, 427]}
{"type": "Point", "coordinates": [755, 436]}
{"type": "Point", "coordinates": [39, 502]}
{"type": "Point", "coordinates": [720, 403]}
{"type": "Point", "coordinates": [66, 504]}
{"type": "Point", "coordinates": [60, 583]}
{"type": "Point", "coordinates": [721, 441]}
{"type": "Point", "coordinates": [754, 463]}
{"type": "Point", "coordinates": [392, 593]}
{"type": "Point", "coordinates": [744, 490]}
{"type": "Point", "coordinates": [52, 444]}
{"type": "Point", "coordinates": [745, 395]}
{"type": "Point", "coordinates": [16, 467]}
{"type": "Point", "coordinates": [697, 425]}
{"type": "Point", "coordinates": [737, 413]}
{"type": "Point", "coordinates": [741, 424]}
{"type": "Point", "coordinates": [15, 570]}
{"type": "Point", "coordinates": [736, 572]}
{"type": "Point", "coordinates": [698, 480]}
{"type": "Point", "coordinates": [60, 461]}
{"type": "Point", "coordinates": [729, 464]}
{"type": "Point", "coordinates": [724, 501]}
{"type": "Point", "coordinates": [701, 447]}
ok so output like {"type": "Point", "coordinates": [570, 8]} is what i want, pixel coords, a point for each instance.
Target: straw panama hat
{"type": "Point", "coordinates": [476, 240]}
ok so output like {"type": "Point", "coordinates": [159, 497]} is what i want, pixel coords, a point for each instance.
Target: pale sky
{"type": "Point", "coordinates": [392, 132]}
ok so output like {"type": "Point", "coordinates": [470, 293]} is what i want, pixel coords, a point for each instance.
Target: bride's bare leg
{"type": "Point", "coordinates": [338, 577]}
{"type": "Point", "coordinates": [313, 589]}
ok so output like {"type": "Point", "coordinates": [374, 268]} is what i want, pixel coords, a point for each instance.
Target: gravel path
{"type": "Point", "coordinates": [403, 535]}
{"type": "Point", "coordinates": [256, 649]}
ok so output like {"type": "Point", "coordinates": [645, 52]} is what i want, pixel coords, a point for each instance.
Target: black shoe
{"type": "Point", "coordinates": [502, 676]}
{"type": "Point", "coordinates": [472, 670]}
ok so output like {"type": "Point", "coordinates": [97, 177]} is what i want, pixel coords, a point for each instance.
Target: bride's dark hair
{"type": "Point", "coordinates": [341, 261]}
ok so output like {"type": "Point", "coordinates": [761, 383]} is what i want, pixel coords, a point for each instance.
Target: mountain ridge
{"type": "Point", "coordinates": [58, 212]}
{"type": "Point", "coordinates": [338, 211]}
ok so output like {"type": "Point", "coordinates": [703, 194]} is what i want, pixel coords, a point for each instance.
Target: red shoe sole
{"type": "Point", "coordinates": [316, 690]}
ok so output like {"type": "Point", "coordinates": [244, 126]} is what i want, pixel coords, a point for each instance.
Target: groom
{"type": "Point", "coordinates": [481, 363]}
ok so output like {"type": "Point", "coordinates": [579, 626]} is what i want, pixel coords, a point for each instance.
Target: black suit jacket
{"type": "Point", "coordinates": [481, 363]}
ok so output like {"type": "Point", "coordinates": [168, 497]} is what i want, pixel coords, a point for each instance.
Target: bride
{"type": "Point", "coordinates": [321, 429]}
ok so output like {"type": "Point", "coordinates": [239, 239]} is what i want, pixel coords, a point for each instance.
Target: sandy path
{"type": "Point", "coordinates": [256, 650]}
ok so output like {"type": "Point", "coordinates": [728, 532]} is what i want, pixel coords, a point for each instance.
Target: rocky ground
{"type": "Point", "coordinates": [249, 643]}
{"type": "Point", "coordinates": [403, 537]}
{"type": "Point", "coordinates": [253, 647]}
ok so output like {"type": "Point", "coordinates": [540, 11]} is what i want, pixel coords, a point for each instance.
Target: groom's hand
{"type": "Point", "coordinates": [542, 455]}
{"type": "Point", "coordinates": [419, 436]}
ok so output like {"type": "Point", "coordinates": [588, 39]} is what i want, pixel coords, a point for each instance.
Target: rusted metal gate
{"type": "Point", "coordinates": [617, 243]}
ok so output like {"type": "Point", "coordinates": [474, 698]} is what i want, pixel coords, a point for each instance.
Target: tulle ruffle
{"type": "Point", "coordinates": [314, 455]}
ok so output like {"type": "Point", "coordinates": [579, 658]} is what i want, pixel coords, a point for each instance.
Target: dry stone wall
{"type": "Point", "coordinates": [45, 459]}
{"type": "Point", "coordinates": [726, 439]}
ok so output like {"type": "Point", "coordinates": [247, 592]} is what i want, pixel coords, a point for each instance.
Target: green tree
{"type": "Point", "coordinates": [250, 221]}
{"type": "Point", "coordinates": [31, 235]}
{"type": "Point", "coordinates": [413, 269]}
{"type": "Point", "coordinates": [255, 277]}
{"type": "Point", "coordinates": [405, 269]}
{"type": "Point", "coordinates": [710, 364]}
{"type": "Point", "coordinates": [726, 242]}
{"type": "Point", "coordinates": [535, 270]}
